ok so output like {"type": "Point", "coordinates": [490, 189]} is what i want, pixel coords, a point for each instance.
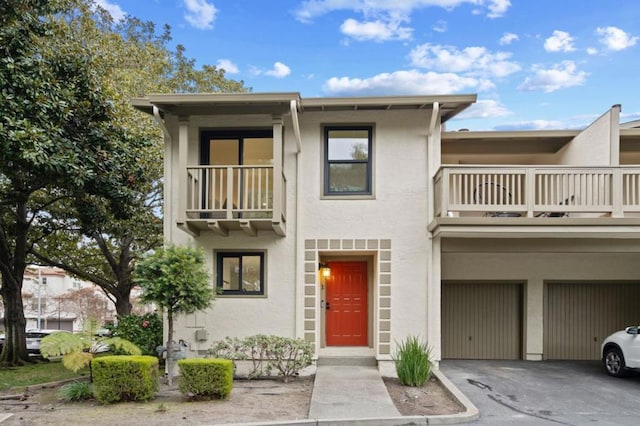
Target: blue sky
{"type": "Point", "coordinates": [535, 64]}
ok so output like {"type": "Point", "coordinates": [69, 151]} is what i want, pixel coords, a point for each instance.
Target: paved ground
{"type": "Point", "coordinates": [546, 392]}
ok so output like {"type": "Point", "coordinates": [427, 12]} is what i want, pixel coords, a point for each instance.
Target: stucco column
{"type": "Point", "coordinates": [183, 147]}
{"type": "Point", "coordinates": [434, 279]}
{"type": "Point", "coordinates": [534, 319]}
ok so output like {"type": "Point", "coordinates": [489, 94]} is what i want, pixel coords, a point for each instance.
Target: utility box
{"type": "Point", "coordinates": [201, 335]}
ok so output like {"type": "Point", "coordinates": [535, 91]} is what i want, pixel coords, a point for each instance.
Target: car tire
{"type": "Point", "coordinates": [614, 362]}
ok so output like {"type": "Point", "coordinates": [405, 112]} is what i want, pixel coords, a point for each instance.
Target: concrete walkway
{"type": "Point", "coordinates": [350, 392]}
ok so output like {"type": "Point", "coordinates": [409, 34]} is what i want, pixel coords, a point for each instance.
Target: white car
{"type": "Point", "coordinates": [35, 336]}
{"type": "Point", "coordinates": [621, 351]}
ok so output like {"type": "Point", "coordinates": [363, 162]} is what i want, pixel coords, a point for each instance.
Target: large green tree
{"type": "Point", "coordinates": [133, 59]}
{"type": "Point", "coordinates": [58, 142]}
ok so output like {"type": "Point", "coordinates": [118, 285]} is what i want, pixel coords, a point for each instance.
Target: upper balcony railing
{"type": "Point", "coordinates": [538, 191]}
{"type": "Point", "coordinates": [234, 193]}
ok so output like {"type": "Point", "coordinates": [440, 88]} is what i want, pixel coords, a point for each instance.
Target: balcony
{"type": "Point", "coordinates": [228, 198]}
{"type": "Point", "coordinates": [537, 195]}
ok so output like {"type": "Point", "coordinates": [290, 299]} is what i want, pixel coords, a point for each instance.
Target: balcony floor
{"type": "Point", "coordinates": [222, 227]}
{"type": "Point", "coordinates": [523, 227]}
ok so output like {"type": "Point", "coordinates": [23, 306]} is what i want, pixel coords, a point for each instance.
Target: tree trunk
{"type": "Point", "coordinates": [122, 302]}
{"type": "Point", "coordinates": [14, 351]}
{"type": "Point", "coordinates": [170, 353]}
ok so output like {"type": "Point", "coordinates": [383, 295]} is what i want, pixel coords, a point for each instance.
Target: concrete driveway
{"type": "Point", "coordinates": [546, 392]}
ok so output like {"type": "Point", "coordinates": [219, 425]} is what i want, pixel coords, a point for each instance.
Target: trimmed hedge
{"type": "Point", "coordinates": [205, 378]}
{"type": "Point", "coordinates": [125, 378]}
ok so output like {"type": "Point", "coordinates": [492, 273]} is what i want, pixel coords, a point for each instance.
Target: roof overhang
{"type": "Point", "coordinates": [513, 142]}
{"type": "Point", "coordinates": [217, 103]}
{"type": "Point", "coordinates": [275, 103]}
{"type": "Point", "coordinates": [450, 105]}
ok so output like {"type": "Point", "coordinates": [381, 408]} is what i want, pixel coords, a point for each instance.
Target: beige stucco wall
{"type": "Point", "coordinates": [594, 146]}
{"type": "Point", "coordinates": [397, 213]}
{"type": "Point", "coordinates": [536, 261]}
{"type": "Point", "coordinates": [237, 316]}
{"type": "Point", "coordinates": [398, 210]}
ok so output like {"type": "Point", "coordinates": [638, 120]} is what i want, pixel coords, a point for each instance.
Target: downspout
{"type": "Point", "coordinates": [299, 244]}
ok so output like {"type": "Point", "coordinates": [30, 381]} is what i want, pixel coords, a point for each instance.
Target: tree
{"type": "Point", "coordinates": [176, 279]}
{"type": "Point", "coordinates": [133, 60]}
{"type": "Point", "coordinates": [86, 303]}
{"type": "Point", "coordinates": [58, 142]}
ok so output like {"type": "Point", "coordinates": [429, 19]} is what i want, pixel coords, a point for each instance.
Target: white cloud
{"type": "Point", "coordinates": [615, 38]}
{"type": "Point", "coordinates": [279, 70]}
{"type": "Point", "coordinates": [508, 38]}
{"type": "Point", "coordinates": [560, 76]}
{"type": "Point", "coordinates": [228, 66]}
{"type": "Point", "coordinates": [488, 108]}
{"type": "Point", "coordinates": [440, 26]}
{"type": "Point", "coordinates": [560, 41]}
{"type": "Point", "coordinates": [410, 82]}
{"type": "Point", "coordinates": [375, 30]}
{"type": "Point", "coordinates": [114, 10]}
{"type": "Point", "coordinates": [497, 8]}
{"type": "Point", "coordinates": [310, 9]}
{"type": "Point", "coordinates": [200, 13]}
{"type": "Point", "coordinates": [474, 60]}
{"type": "Point", "coordinates": [592, 51]}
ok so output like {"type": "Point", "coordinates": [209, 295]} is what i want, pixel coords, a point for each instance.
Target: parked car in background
{"type": "Point", "coordinates": [34, 337]}
{"type": "Point", "coordinates": [621, 351]}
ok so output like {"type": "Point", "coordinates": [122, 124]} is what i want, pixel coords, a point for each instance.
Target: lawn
{"type": "Point", "coordinates": [38, 373]}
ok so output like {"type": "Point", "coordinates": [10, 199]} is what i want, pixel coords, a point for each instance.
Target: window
{"type": "Point", "coordinates": [240, 273]}
{"type": "Point", "coordinates": [347, 165]}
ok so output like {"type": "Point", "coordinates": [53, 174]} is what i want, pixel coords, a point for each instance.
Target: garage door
{"type": "Point", "coordinates": [578, 316]}
{"type": "Point", "coordinates": [481, 320]}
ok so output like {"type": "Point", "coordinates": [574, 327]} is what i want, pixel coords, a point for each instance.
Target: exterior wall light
{"type": "Point", "coordinates": [325, 270]}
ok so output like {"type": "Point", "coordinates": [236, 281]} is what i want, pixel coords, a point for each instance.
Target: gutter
{"type": "Point", "coordinates": [160, 121]}
{"type": "Point", "coordinates": [299, 296]}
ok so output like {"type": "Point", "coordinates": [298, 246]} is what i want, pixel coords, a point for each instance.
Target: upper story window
{"type": "Point", "coordinates": [240, 273]}
{"type": "Point", "coordinates": [347, 160]}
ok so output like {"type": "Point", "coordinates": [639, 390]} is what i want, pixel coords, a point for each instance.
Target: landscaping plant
{"type": "Point", "coordinates": [413, 361]}
{"type": "Point", "coordinates": [145, 331]}
{"type": "Point", "coordinates": [76, 391]}
{"type": "Point", "coordinates": [286, 355]}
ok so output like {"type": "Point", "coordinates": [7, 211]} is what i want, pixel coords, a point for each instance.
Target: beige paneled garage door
{"type": "Point", "coordinates": [578, 316]}
{"type": "Point", "coordinates": [481, 320]}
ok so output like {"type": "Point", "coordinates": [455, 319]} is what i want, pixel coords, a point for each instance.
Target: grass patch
{"type": "Point", "coordinates": [34, 374]}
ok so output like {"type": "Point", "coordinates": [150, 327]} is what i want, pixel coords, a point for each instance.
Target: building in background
{"type": "Point", "coordinates": [61, 302]}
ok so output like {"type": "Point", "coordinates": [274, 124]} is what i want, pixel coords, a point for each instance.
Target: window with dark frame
{"type": "Point", "coordinates": [240, 273]}
{"type": "Point", "coordinates": [347, 160]}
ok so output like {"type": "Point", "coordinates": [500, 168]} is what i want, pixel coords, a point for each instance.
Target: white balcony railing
{"type": "Point", "coordinates": [234, 192]}
{"type": "Point", "coordinates": [536, 191]}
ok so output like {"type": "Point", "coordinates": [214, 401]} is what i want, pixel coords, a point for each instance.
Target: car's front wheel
{"type": "Point", "coordinates": [614, 362]}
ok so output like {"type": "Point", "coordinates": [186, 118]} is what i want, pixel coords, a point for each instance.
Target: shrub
{"type": "Point", "coordinates": [286, 355]}
{"type": "Point", "coordinates": [143, 330]}
{"type": "Point", "coordinates": [205, 378]}
{"type": "Point", "coordinates": [76, 391]}
{"type": "Point", "coordinates": [413, 362]}
{"type": "Point", "coordinates": [125, 378]}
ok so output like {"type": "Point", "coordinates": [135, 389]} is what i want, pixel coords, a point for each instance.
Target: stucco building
{"type": "Point", "coordinates": [489, 245]}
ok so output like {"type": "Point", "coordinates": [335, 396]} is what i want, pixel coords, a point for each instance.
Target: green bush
{"type": "Point", "coordinates": [76, 391]}
{"type": "Point", "coordinates": [143, 330]}
{"type": "Point", "coordinates": [205, 378]}
{"type": "Point", "coordinates": [286, 355]}
{"type": "Point", "coordinates": [413, 362]}
{"type": "Point", "coordinates": [125, 378]}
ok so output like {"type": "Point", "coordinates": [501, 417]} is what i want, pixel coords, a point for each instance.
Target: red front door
{"type": "Point", "coordinates": [346, 313]}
